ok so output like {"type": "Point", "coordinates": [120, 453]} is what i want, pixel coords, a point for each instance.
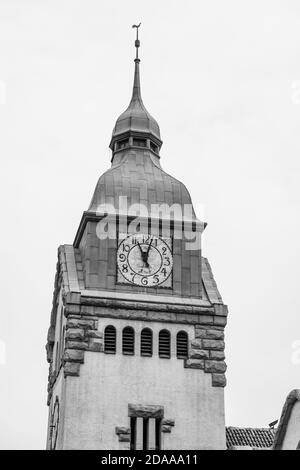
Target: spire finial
{"type": "Point", "coordinates": [137, 41]}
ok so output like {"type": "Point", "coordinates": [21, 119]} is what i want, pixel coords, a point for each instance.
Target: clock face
{"type": "Point", "coordinates": [54, 424]}
{"type": "Point", "coordinates": [144, 260]}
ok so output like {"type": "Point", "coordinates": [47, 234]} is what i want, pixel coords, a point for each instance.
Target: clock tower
{"type": "Point", "coordinates": [136, 338]}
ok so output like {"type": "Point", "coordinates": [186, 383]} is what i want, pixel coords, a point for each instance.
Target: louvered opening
{"type": "Point", "coordinates": [164, 343]}
{"type": "Point", "coordinates": [153, 147]}
{"type": "Point", "coordinates": [146, 342]}
{"type": "Point", "coordinates": [122, 144]}
{"type": "Point", "coordinates": [110, 340]}
{"type": "Point", "coordinates": [128, 341]}
{"type": "Point", "coordinates": [139, 142]}
{"type": "Point", "coordinates": [182, 345]}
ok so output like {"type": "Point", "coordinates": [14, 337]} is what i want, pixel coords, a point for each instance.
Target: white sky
{"type": "Point", "coordinates": [223, 81]}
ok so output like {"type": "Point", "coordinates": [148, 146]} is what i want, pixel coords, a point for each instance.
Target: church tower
{"type": "Point", "coordinates": [136, 337]}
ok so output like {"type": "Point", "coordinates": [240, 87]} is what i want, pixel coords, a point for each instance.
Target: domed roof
{"type": "Point", "coordinates": [137, 176]}
{"type": "Point", "coordinates": [136, 118]}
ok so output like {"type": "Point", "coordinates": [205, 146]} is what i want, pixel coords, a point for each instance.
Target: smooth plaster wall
{"type": "Point", "coordinates": [292, 435]}
{"type": "Point", "coordinates": [97, 401]}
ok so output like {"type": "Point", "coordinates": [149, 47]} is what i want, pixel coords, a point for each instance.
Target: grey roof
{"type": "Point", "coordinates": [136, 117]}
{"type": "Point", "coordinates": [137, 175]}
{"type": "Point", "coordinates": [255, 438]}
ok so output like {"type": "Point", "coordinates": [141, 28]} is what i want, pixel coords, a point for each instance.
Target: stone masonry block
{"type": "Point", "coordinates": [216, 355]}
{"type": "Point", "coordinates": [94, 334]}
{"type": "Point", "coordinates": [215, 366]}
{"type": "Point", "coordinates": [75, 333]}
{"type": "Point", "coordinates": [221, 321]}
{"type": "Point", "coordinates": [122, 430]}
{"type": "Point", "coordinates": [218, 380]}
{"type": "Point", "coordinates": [206, 319]}
{"type": "Point", "coordinates": [76, 345]}
{"type": "Point", "coordinates": [74, 323]}
{"type": "Point", "coordinates": [72, 297]}
{"type": "Point", "coordinates": [200, 332]}
{"type": "Point", "coordinates": [213, 344]}
{"type": "Point", "coordinates": [95, 347]}
{"type": "Point", "coordinates": [214, 334]}
{"type": "Point", "coordinates": [194, 363]}
{"type": "Point", "coordinates": [199, 354]}
{"type": "Point", "coordinates": [72, 369]}
{"type": "Point", "coordinates": [168, 422]}
{"type": "Point", "coordinates": [221, 309]}
{"type": "Point", "coordinates": [74, 355]}
{"type": "Point", "coordinates": [196, 344]}
{"type": "Point", "coordinates": [165, 428]}
{"type": "Point", "coordinates": [145, 411]}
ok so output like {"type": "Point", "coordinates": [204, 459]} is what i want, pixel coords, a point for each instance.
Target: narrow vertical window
{"type": "Point", "coordinates": [62, 347]}
{"type": "Point", "coordinates": [132, 433]}
{"type": "Point", "coordinates": [128, 341]}
{"type": "Point", "coordinates": [145, 433]}
{"type": "Point", "coordinates": [56, 358]}
{"type": "Point", "coordinates": [146, 342]}
{"type": "Point", "coordinates": [182, 345]}
{"type": "Point", "coordinates": [110, 340]}
{"type": "Point", "coordinates": [157, 434]}
{"type": "Point", "coordinates": [164, 344]}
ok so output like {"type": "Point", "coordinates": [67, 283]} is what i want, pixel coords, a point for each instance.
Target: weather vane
{"type": "Point", "coordinates": [137, 41]}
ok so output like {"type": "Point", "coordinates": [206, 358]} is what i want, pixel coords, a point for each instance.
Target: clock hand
{"type": "Point", "coordinates": [147, 254]}
{"type": "Point", "coordinates": [144, 256]}
{"type": "Point", "coordinates": [149, 247]}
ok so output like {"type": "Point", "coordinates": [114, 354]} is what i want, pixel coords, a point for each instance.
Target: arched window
{"type": "Point", "coordinates": [146, 342]}
{"type": "Point", "coordinates": [164, 344]}
{"type": "Point", "coordinates": [182, 345]}
{"type": "Point", "coordinates": [128, 341]}
{"type": "Point", "coordinates": [110, 340]}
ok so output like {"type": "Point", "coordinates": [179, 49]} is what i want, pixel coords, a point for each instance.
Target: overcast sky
{"type": "Point", "coordinates": [223, 81]}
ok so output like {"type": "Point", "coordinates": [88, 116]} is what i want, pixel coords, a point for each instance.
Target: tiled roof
{"type": "Point", "coordinates": [257, 438]}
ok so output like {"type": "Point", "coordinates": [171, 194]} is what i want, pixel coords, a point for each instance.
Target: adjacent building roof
{"type": "Point", "coordinates": [290, 401]}
{"type": "Point", "coordinates": [254, 438]}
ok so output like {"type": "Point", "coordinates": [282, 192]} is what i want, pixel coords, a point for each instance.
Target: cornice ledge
{"type": "Point", "coordinates": [152, 306]}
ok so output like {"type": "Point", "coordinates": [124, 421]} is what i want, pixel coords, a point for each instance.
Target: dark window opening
{"type": "Point", "coordinates": [182, 345]}
{"type": "Point", "coordinates": [139, 142]}
{"type": "Point", "coordinates": [164, 344]}
{"type": "Point", "coordinates": [110, 340]}
{"type": "Point", "coordinates": [145, 433]}
{"type": "Point", "coordinates": [153, 147]}
{"type": "Point", "coordinates": [146, 342]}
{"type": "Point", "coordinates": [140, 436]}
{"type": "Point", "coordinates": [128, 341]}
{"type": "Point", "coordinates": [122, 144]}
{"type": "Point", "coordinates": [132, 433]}
{"type": "Point", "coordinates": [157, 434]}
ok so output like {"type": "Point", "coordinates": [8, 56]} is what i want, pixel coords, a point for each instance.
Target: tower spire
{"type": "Point", "coordinates": [136, 92]}
{"type": "Point", "coordinates": [137, 41]}
{"type": "Point", "coordinates": [136, 121]}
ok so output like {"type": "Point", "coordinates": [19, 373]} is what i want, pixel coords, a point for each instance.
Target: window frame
{"type": "Point", "coordinates": [114, 350]}
{"type": "Point", "coordinates": [160, 354]}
